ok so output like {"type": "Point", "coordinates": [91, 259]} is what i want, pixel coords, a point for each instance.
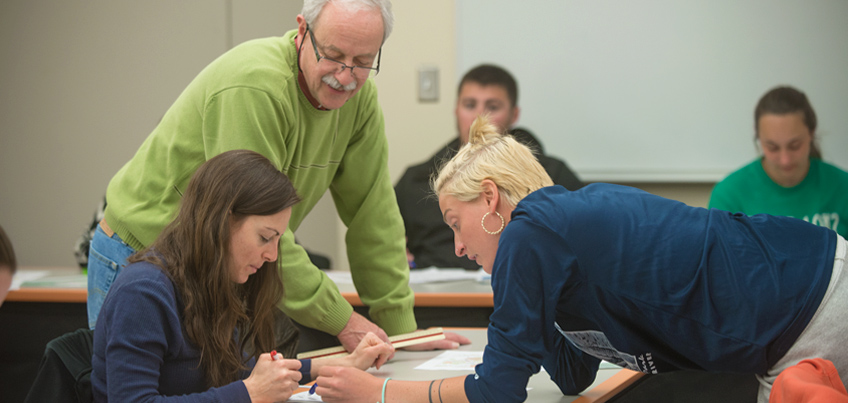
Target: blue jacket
{"type": "Point", "coordinates": [615, 273]}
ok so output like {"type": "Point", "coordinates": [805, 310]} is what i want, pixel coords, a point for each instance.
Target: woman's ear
{"type": "Point", "coordinates": [490, 194]}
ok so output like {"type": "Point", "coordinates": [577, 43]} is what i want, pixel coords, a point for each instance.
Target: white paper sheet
{"type": "Point", "coordinates": [304, 397]}
{"type": "Point", "coordinates": [68, 281]}
{"type": "Point", "coordinates": [22, 276]}
{"type": "Point", "coordinates": [422, 276]}
{"type": "Point", "coordinates": [453, 361]}
{"type": "Point", "coordinates": [467, 360]}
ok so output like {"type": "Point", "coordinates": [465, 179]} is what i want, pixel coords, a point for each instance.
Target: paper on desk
{"type": "Point", "coordinates": [68, 281]}
{"type": "Point", "coordinates": [304, 397]}
{"type": "Point", "coordinates": [466, 361]}
{"type": "Point", "coordinates": [453, 361]}
{"type": "Point", "coordinates": [608, 365]}
{"type": "Point", "coordinates": [434, 275]}
{"type": "Point", "coordinates": [422, 276]}
{"type": "Point", "coordinates": [22, 276]}
{"type": "Point", "coordinates": [340, 277]}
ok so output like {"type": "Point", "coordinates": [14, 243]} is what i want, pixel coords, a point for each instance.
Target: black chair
{"type": "Point", "coordinates": [64, 374]}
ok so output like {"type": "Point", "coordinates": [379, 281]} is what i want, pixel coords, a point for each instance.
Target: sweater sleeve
{"type": "Point", "coordinates": [366, 203]}
{"type": "Point", "coordinates": [527, 281]}
{"type": "Point", "coordinates": [135, 354]}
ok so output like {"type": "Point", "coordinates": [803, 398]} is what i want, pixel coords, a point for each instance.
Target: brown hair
{"type": "Point", "coordinates": [786, 100]}
{"type": "Point", "coordinates": [490, 74]}
{"type": "Point", "coordinates": [7, 253]}
{"type": "Point", "coordinates": [194, 251]}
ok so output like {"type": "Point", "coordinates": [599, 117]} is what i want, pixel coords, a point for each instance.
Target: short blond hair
{"type": "Point", "coordinates": [491, 155]}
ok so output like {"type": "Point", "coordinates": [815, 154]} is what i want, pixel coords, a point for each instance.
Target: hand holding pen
{"type": "Point", "coordinates": [273, 378]}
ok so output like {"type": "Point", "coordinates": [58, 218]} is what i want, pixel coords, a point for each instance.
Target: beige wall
{"type": "Point", "coordinates": [82, 84]}
{"type": "Point", "coordinates": [693, 194]}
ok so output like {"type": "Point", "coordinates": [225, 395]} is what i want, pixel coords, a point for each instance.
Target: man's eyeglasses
{"type": "Point", "coordinates": [358, 71]}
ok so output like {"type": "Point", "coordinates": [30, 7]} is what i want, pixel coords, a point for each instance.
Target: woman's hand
{"type": "Point", "coordinates": [371, 352]}
{"type": "Point", "coordinates": [348, 385]}
{"type": "Point", "coordinates": [273, 380]}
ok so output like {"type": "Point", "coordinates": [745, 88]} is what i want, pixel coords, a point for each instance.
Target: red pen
{"type": "Point", "coordinates": [274, 355]}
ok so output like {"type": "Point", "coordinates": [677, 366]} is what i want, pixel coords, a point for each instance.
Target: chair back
{"type": "Point", "coordinates": [64, 374]}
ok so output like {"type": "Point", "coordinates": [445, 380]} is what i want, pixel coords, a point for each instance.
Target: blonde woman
{"type": "Point", "coordinates": [614, 273]}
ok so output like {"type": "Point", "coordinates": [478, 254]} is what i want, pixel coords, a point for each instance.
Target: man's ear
{"type": "Point", "coordinates": [301, 28]}
{"type": "Point", "coordinates": [516, 111]}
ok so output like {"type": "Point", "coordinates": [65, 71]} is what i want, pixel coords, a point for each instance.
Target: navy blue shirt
{"type": "Point", "coordinates": [142, 352]}
{"type": "Point", "coordinates": [615, 273]}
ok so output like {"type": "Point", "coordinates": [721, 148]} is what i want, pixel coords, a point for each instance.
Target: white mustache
{"type": "Point", "coordinates": [332, 82]}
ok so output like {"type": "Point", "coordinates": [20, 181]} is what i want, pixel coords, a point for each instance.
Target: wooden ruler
{"type": "Point", "coordinates": [398, 341]}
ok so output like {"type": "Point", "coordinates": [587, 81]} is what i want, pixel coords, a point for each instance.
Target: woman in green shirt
{"type": "Point", "coordinates": [790, 178]}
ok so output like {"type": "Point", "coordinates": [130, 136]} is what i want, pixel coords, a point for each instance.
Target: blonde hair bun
{"type": "Point", "coordinates": [491, 155]}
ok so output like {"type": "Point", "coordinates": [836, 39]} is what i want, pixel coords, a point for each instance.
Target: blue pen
{"type": "Point", "coordinates": [312, 389]}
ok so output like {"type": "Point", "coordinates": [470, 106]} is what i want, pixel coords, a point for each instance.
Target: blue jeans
{"type": "Point", "coordinates": [106, 258]}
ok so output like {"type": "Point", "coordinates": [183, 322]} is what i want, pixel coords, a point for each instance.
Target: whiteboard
{"type": "Point", "coordinates": [660, 90]}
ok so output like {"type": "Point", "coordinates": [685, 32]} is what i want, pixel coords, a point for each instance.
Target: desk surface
{"type": "Point", "coordinates": [540, 387]}
{"type": "Point", "coordinates": [461, 293]}
{"type": "Point", "coordinates": [51, 291]}
{"type": "Point", "coordinates": [457, 293]}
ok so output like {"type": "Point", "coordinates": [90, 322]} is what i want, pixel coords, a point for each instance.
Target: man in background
{"type": "Point", "coordinates": [484, 90]}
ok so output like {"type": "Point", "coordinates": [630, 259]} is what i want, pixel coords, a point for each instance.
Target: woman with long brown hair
{"type": "Point", "coordinates": [193, 313]}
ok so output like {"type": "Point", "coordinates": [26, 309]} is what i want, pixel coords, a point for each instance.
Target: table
{"type": "Point", "coordinates": [607, 384]}
{"type": "Point", "coordinates": [32, 316]}
{"type": "Point", "coordinates": [458, 303]}
{"type": "Point", "coordinates": [461, 303]}
{"type": "Point", "coordinates": [51, 291]}
{"type": "Point", "coordinates": [453, 294]}
{"type": "Point", "coordinates": [29, 318]}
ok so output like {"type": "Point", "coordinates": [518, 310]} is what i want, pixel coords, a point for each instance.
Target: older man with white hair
{"type": "Point", "coordinates": [305, 101]}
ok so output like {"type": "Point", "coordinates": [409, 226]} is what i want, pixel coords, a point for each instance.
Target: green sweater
{"type": "Point", "coordinates": [249, 98]}
{"type": "Point", "coordinates": [821, 198]}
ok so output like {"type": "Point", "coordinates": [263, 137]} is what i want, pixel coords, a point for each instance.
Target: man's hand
{"type": "Point", "coordinates": [450, 342]}
{"type": "Point", "coordinates": [356, 328]}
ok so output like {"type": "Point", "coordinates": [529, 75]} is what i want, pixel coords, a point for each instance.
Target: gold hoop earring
{"type": "Point", "coordinates": [483, 223]}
